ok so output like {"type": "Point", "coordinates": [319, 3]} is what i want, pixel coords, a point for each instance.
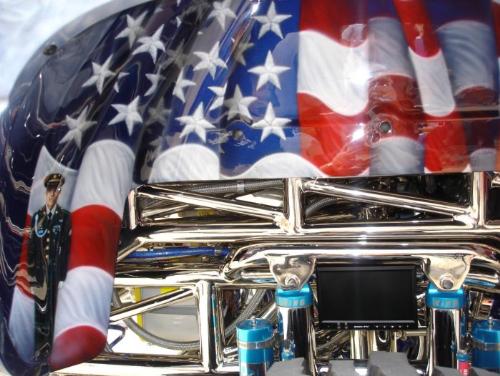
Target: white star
{"type": "Point", "coordinates": [271, 21]}
{"type": "Point", "coordinates": [242, 47]}
{"type": "Point", "coordinates": [176, 56]}
{"type": "Point", "coordinates": [151, 44]}
{"type": "Point", "coordinates": [101, 72]}
{"type": "Point", "coordinates": [210, 60]}
{"type": "Point", "coordinates": [271, 124]}
{"type": "Point", "coordinates": [222, 9]}
{"type": "Point", "coordinates": [154, 79]}
{"type": "Point", "coordinates": [238, 105]}
{"type": "Point", "coordinates": [127, 113]}
{"type": "Point", "coordinates": [195, 123]}
{"type": "Point", "coordinates": [180, 84]}
{"type": "Point", "coordinates": [77, 127]}
{"type": "Point", "coordinates": [120, 76]}
{"type": "Point", "coordinates": [158, 114]}
{"type": "Point", "coordinates": [133, 29]}
{"type": "Point", "coordinates": [268, 72]}
{"type": "Point", "coordinates": [219, 92]}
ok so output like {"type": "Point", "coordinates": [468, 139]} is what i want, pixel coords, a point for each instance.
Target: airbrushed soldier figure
{"type": "Point", "coordinates": [48, 253]}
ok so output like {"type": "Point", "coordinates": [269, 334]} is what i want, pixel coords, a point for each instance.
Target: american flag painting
{"type": "Point", "coordinates": [184, 90]}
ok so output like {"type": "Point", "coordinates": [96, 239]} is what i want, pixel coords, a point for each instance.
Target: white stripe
{"type": "Point", "coordinates": [483, 159]}
{"type": "Point", "coordinates": [22, 324]}
{"type": "Point", "coordinates": [466, 169]}
{"type": "Point", "coordinates": [185, 162]}
{"type": "Point", "coordinates": [469, 49]}
{"type": "Point", "coordinates": [397, 155]}
{"type": "Point", "coordinates": [335, 74]}
{"type": "Point", "coordinates": [84, 300]}
{"type": "Point", "coordinates": [45, 165]}
{"type": "Point", "coordinates": [388, 48]}
{"type": "Point", "coordinates": [280, 165]}
{"type": "Point", "coordinates": [105, 176]}
{"type": "Point", "coordinates": [434, 84]}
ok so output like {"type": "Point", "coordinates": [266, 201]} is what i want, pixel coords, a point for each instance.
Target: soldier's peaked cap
{"type": "Point", "coordinates": [54, 180]}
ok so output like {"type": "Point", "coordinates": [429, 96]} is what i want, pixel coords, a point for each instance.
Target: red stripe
{"type": "Point", "coordinates": [334, 18]}
{"type": "Point", "coordinates": [330, 146]}
{"type": "Point", "coordinates": [327, 136]}
{"type": "Point", "coordinates": [94, 239]}
{"type": "Point", "coordinates": [496, 19]}
{"type": "Point", "coordinates": [445, 145]}
{"type": "Point", "coordinates": [76, 345]}
{"type": "Point", "coordinates": [22, 272]}
{"type": "Point", "coordinates": [481, 127]}
{"type": "Point", "coordinates": [417, 27]}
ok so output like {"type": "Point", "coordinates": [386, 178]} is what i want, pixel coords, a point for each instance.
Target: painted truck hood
{"type": "Point", "coordinates": [195, 90]}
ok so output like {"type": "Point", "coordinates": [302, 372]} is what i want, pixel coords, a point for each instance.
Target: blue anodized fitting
{"type": "Point", "coordinates": [486, 344]}
{"type": "Point", "coordinates": [444, 300]}
{"type": "Point", "coordinates": [255, 346]}
{"type": "Point", "coordinates": [294, 320]}
{"type": "Point", "coordinates": [294, 298]}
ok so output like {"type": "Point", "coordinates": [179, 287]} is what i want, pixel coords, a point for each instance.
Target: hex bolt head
{"type": "Point", "coordinates": [385, 127]}
{"type": "Point", "coordinates": [292, 281]}
{"type": "Point", "coordinates": [446, 282]}
{"type": "Point", "coordinates": [51, 49]}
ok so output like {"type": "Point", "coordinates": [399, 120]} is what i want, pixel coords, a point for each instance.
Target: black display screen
{"type": "Point", "coordinates": [369, 297]}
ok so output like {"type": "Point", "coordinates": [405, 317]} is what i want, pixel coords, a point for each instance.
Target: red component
{"type": "Point", "coordinates": [417, 27]}
{"type": "Point", "coordinates": [332, 145]}
{"type": "Point", "coordinates": [22, 272]}
{"type": "Point", "coordinates": [343, 20]}
{"type": "Point", "coordinates": [445, 143]}
{"type": "Point", "coordinates": [94, 240]}
{"type": "Point", "coordinates": [496, 19]}
{"type": "Point", "coordinates": [76, 345]}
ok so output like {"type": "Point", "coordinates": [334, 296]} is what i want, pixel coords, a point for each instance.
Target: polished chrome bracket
{"type": "Point", "coordinates": [495, 181]}
{"type": "Point", "coordinates": [447, 273]}
{"type": "Point", "coordinates": [291, 272]}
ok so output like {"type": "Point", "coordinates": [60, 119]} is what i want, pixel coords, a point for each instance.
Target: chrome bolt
{"type": "Point", "coordinates": [292, 281]}
{"type": "Point", "coordinates": [385, 127]}
{"type": "Point", "coordinates": [447, 282]}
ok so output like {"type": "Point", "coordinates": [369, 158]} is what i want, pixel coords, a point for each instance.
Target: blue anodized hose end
{"type": "Point", "coordinates": [294, 320]}
{"type": "Point", "coordinates": [444, 300]}
{"type": "Point", "coordinates": [486, 344]}
{"type": "Point", "coordinates": [255, 346]}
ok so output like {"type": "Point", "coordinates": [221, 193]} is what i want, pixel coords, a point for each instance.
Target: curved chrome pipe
{"type": "Point", "coordinates": [296, 261]}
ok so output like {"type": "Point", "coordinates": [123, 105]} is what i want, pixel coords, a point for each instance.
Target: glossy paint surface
{"type": "Point", "coordinates": [180, 90]}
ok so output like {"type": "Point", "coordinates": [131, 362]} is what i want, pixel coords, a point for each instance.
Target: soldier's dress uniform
{"type": "Point", "coordinates": [48, 253]}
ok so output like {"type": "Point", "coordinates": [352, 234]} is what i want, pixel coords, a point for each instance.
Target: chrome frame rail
{"type": "Point", "coordinates": [278, 247]}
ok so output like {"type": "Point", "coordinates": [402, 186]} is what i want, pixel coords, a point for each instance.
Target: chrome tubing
{"type": "Point", "coordinates": [296, 331]}
{"type": "Point", "coordinates": [295, 262]}
{"type": "Point", "coordinates": [277, 245]}
{"type": "Point", "coordinates": [385, 198]}
{"type": "Point", "coordinates": [359, 344]}
{"type": "Point", "coordinates": [446, 338]}
{"type": "Point", "coordinates": [155, 302]}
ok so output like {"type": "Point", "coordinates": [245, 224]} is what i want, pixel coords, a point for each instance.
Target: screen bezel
{"type": "Point", "coordinates": [324, 298]}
